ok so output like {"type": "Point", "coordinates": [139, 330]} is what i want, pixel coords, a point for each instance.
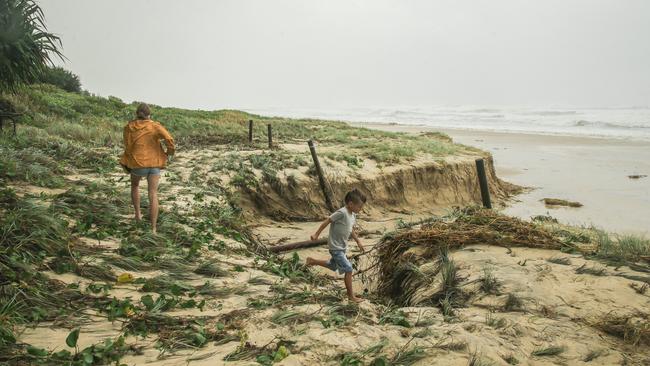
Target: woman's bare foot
{"type": "Point", "coordinates": [355, 299]}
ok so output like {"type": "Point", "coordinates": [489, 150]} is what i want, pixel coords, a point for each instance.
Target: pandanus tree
{"type": "Point", "coordinates": [26, 47]}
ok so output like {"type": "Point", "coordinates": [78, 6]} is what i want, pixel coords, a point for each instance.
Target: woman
{"type": "Point", "coordinates": [144, 157]}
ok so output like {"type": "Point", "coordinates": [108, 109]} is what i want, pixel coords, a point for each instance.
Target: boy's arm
{"type": "Point", "coordinates": [322, 227]}
{"type": "Point", "coordinates": [356, 238]}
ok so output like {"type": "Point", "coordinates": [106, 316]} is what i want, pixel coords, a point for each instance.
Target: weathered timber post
{"type": "Point", "coordinates": [482, 181]}
{"type": "Point", "coordinates": [321, 177]}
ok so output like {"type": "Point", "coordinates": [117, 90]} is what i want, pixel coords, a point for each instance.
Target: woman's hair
{"type": "Point", "coordinates": [355, 196]}
{"type": "Point", "coordinates": [143, 111]}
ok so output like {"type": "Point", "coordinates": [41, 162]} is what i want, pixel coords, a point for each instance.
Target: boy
{"type": "Point", "coordinates": [342, 224]}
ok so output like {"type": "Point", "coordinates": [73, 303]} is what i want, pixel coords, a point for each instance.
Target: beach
{"type": "Point", "coordinates": [593, 171]}
{"type": "Point", "coordinates": [325, 183]}
{"type": "Point", "coordinates": [443, 282]}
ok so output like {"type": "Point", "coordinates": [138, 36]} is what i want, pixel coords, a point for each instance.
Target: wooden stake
{"type": "Point", "coordinates": [250, 131]}
{"type": "Point", "coordinates": [482, 181]}
{"type": "Point", "coordinates": [321, 177]}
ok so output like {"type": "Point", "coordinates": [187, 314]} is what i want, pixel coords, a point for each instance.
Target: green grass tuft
{"type": "Point", "coordinates": [489, 283]}
{"type": "Point", "coordinates": [513, 303]}
{"type": "Point", "coordinates": [548, 351]}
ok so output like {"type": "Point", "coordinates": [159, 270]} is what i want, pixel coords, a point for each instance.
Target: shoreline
{"type": "Point", "coordinates": [590, 170]}
{"type": "Point", "coordinates": [415, 128]}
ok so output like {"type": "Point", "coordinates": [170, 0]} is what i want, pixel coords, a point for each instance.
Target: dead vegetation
{"type": "Point", "coordinates": [565, 261]}
{"type": "Point", "coordinates": [594, 271]}
{"type": "Point", "coordinates": [410, 261]}
{"type": "Point", "coordinates": [640, 289]}
{"type": "Point", "coordinates": [513, 302]}
{"type": "Point", "coordinates": [560, 202]}
{"type": "Point", "coordinates": [413, 268]}
{"type": "Point", "coordinates": [632, 328]}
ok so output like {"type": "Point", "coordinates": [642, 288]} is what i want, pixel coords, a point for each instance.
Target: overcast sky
{"type": "Point", "coordinates": [374, 53]}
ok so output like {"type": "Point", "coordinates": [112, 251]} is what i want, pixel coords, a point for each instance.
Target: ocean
{"type": "Point", "coordinates": [622, 123]}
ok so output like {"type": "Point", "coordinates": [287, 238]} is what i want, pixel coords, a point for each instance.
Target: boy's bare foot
{"type": "Point", "coordinates": [310, 261]}
{"type": "Point", "coordinates": [355, 299]}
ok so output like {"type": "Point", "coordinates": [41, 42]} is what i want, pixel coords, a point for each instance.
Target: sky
{"type": "Point", "coordinates": [351, 53]}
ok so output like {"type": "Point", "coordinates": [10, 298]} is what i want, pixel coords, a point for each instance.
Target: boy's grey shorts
{"type": "Point", "coordinates": [339, 262]}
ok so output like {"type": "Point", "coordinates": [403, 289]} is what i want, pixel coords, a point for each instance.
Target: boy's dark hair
{"type": "Point", "coordinates": [355, 196]}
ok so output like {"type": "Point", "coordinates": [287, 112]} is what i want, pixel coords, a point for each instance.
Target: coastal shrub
{"type": "Point", "coordinates": [61, 78]}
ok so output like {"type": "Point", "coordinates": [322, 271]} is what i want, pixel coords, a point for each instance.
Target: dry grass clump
{"type": "Point", "coordinates": [631, 328]}
{"type": "Point", "coordinates": [410, 261]}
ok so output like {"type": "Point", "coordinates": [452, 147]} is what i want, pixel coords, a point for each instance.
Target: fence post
{"type": "Point", "coordinates": [250, 131]}
{"type": "Point", "coordinates": [482, 181]}
{"type": "Point", "coordinates": [321, 177]}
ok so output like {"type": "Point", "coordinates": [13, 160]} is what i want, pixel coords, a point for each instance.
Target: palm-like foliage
{"type": "Point", "coordinates": [26, 47]}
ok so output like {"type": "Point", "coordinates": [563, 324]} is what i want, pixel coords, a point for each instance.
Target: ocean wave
{"type": "Point", "coordinates": [624, 123]}
{"type": "Point", "coordinates": [584, 123]}
{"type": "Point", "coordinates": [484, 110]}
{"type": "Point", "coordinates": [550, 113]}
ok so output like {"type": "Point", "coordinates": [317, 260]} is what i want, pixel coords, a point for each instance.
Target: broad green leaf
{"type": "Point", "coordinates": [72, 338]}
{"type": "Point", "coordinates": [38, 352]}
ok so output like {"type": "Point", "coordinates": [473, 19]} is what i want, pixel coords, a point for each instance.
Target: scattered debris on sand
{"type": "Point", "coordinates": [560, 202]}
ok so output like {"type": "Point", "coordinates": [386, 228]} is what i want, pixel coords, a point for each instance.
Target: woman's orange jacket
{"type": "Point", "coordinates": [142, 148]}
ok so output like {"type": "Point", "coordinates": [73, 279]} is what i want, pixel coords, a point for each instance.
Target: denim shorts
{"type": "Point", "coordinates": [144, 172]}
{"type": "Point", "coordinates": [339, 262]}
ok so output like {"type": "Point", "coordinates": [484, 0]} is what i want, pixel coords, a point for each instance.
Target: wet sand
{"type": "Point", "coordinates": [592, 171]}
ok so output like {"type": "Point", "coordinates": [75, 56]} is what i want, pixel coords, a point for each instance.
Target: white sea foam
{"type": "Point", "coordinates": [629, 123]}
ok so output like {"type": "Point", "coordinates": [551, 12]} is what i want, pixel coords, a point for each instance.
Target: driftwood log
{"type": "Point", "coordinates": [298, 245]}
